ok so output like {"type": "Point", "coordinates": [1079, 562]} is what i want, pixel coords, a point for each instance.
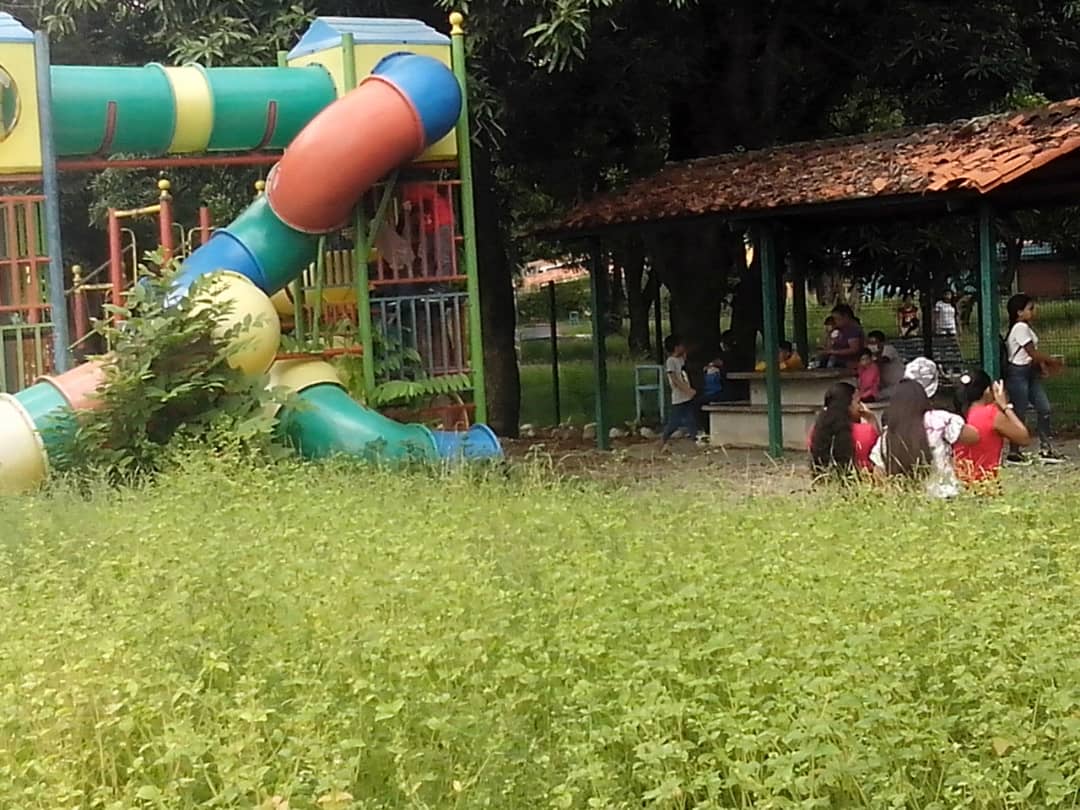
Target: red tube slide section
{"type": "Point", "coordinates": [345, 149]}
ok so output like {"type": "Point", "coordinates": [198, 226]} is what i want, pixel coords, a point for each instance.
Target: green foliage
{"type": "Point", "coordinates": [399, 369]}
{"type": "Point", "coordinates": [570, 296]}
{"type": "Point", "coordinates": [235, 634]}
{"type": "Point", "coordinates": [169, 387]}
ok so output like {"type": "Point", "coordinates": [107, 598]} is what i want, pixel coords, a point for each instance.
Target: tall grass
{"type": "Point", "coordinates": [325, 636]}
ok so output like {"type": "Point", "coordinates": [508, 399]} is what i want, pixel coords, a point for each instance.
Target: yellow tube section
{"type": "Point", "coordinates": [23, 465]}
{"type": "Point", "coordinates": [194, 109]}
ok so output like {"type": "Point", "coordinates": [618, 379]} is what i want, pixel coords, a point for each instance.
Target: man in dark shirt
{"type": "Point", "coordinates": [848, 338]}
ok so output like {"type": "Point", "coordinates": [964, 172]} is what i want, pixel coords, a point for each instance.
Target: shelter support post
{"type": "Point", "coordinates": [597, 284]}
{"type": "Point", "coordinates": [989, 314]}
{"type": "Point", "coordinates": [771, 335]}
{"type": "Point", "coordinates": [553, 325]}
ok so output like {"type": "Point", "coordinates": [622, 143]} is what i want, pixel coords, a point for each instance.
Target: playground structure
{"type": "Point", "coordinates": [406, 264]}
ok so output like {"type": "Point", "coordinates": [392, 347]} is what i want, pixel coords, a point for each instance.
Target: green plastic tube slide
{"type": "Point", "coordinates": [265, 108]}
{"type": "Point", "coordinates": [328, 422]}
{"type": "Point", "coordinates": [135, 103]}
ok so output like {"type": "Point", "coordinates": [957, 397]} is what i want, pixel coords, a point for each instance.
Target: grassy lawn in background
{"type": "Point", "coordinates": [345, 638]}
{"type": "Point", "coordinates": [1058, 325]}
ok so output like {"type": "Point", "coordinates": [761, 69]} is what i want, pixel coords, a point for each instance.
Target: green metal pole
{"type": "Point", "coordinates": [298, 285]}
{"type": "Point", "coordinates": [771, 335]}
{"type": "Point", "coordinates": [361, 247]}
{"type": "Point", "coordinates": [989, 315]}
{"type": "Point", "coordinates": [58, 309]}
{"type": "Point", "coordinates": [468, 220]}
{"type": "Point", "coordinates": [317, 294]}
{"type": "Point", "coordinates": [597, 282]}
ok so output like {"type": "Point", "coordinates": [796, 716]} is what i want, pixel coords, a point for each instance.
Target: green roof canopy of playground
{"type": "Point", "coordinates": [1013, 160]}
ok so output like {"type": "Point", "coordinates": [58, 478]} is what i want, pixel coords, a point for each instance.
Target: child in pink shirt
{"type": "Point", "coordinates": [869, 377]}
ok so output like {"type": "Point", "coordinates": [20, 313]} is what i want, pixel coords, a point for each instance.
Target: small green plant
{"type": "Point", "coordinates": [168, 387]}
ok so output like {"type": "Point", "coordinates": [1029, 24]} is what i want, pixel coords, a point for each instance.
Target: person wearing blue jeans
{"type": "Point", "coordinates": [1024, 368]}
{"type": "Point", "coordinates": [684, 406]}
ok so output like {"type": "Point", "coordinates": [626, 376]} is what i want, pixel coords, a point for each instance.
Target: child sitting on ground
{"type": "Point", "coordinates": [869, 377]}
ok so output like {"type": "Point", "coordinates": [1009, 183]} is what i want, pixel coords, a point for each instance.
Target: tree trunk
{"type": "Point", "coordinates": [496, 303]}
{"type": "Point", "coordinates": [640, 299]}
{"type": "Point", "coordinates": [1014, 249]}
{"type": "Point", "coordinates": [746, 308]}
{"type": "Point", "coordinates": [693, 262]}
{"type": "Point", "coordinates": [616, 299]}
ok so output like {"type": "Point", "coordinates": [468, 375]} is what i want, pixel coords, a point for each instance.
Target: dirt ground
{"type": "Point", "coordinates": [635, 461]}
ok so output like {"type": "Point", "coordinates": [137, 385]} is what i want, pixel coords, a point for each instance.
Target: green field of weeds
{"type": "Point", "coordinates": [322, 636]}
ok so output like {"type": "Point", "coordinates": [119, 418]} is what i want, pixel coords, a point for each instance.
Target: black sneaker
{"type": "Point", "coordinates": [1018, 459]}
{"type": "Point", "coordinates": [1049, 455]}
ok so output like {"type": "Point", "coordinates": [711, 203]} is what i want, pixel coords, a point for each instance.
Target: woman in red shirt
{"type": "Point", "coordinates": [844, 432]}
{"type": "Point", "coordinates": [986, 408]}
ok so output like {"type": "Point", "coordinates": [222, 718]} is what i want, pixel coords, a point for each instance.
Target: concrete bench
{"type": "Point", "coordinates": [744, 424]}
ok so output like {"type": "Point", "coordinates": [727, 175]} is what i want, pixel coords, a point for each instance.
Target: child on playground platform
{"type": "Point", "coordinates": [683, 412]}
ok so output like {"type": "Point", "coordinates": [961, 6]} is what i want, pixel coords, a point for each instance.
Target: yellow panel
{"type": "Point", "coordinates": [21, 150]}
{"type": "Point", "coordinates": [367, 56]}
{"type": "Point", "coordinates": [194, 109]}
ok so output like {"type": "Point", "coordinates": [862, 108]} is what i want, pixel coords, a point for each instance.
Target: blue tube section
{"type": "Point", "coordinates": [223, 252]}
{"type": "Point", "coordinates": [432, 89]}
{"type": "Point", "coordinates": [478, 442]}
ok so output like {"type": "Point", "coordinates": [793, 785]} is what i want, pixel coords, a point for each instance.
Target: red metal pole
{"type": "Point", "coordinates": [116, 260]}
{"type": "Point", "coordinates": [204, 225]}
{"type": "Point", "coordinates": [165, 219]}
{"type": "Point", "coordinates": [34, 306]}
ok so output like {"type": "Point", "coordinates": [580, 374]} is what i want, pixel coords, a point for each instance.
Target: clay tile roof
{"type": "Point", "coordinates": [976, 155]}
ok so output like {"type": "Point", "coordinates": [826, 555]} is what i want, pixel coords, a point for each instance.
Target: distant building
{"type": "Point", "coordinates": [544, 271]}
{"type": "Point", "coordinates": [1044, 272]}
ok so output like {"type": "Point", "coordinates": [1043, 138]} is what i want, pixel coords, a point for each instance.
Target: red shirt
{"type": "Point", "coordinates": [979, 462]}
{"type": "Point", "coordinates": [863, 436]}
{"type": "Point", "coordinates": [869, 382]}
{"type": "Point", "coordinates": [431, 202]}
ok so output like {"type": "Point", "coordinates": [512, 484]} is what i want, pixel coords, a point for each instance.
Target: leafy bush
{"type": "Point", "coordinates": [570, 296]}
{"type": "Point", "coordinates": [399, 369]}
{"type": "Point", "coordinates": [235, 634]}
{"type": "Point", "coordinates": [168, 387]}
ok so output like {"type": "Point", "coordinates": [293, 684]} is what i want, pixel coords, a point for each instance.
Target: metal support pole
{"type": "Point", "coordinates": [554, 326]}
{"type": "Point", "coordinates": [204, 225]}
{"type": "Point", "coordinates": [771, 335]}
{"type": "Point", "coordinates": [165, 221]}
{"type": "Point", "coordinates": [597, 283]}
{"type": "Point", "coordinates": [51, 182]}
{"type": "Point", "coordinates": [468, 220]}
{"type": "Point", "coordinates": [989, 315]}
{"type": "Point", "coordinates": [116, 260]}
{"type": "Point", "coordinates": [361, 247]}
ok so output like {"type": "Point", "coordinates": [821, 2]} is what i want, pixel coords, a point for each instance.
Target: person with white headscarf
{"type": "Point", "coordinates": [917, 441]}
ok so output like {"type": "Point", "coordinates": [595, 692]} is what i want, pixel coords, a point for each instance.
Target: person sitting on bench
{"type": "Point", "coordinates": [789, 359]}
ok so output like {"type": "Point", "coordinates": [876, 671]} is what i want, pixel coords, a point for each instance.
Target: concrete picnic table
{"type": "Point", "coordinates": [796, 387]}
{"type": "Point", "coordinates": [802, 395]}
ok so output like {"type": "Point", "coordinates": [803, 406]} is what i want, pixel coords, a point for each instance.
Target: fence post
{"type": "Point", "coordinates": [989, 315]}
